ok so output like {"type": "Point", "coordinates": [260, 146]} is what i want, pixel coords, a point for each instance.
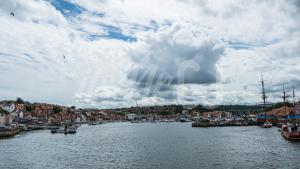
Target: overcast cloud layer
{"type": "Point", "coordinates": [119, 53]}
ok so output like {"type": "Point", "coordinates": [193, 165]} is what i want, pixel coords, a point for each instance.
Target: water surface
{"type": "Point", "coordinates": [151, 145]}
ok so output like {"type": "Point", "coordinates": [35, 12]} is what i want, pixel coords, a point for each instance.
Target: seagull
{"type": "Point", "coordinates": [64, 56]}
{"type": "Point", "coordinates": [12, 14]}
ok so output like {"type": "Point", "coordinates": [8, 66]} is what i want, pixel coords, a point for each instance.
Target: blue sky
{"type": "Point", "coordinates": [68, 9]}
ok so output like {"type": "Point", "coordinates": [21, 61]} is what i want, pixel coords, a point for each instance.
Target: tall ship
{"type": "Point", "coordinates": [291, 130]}
{"type": "Point", "coordinates": [262, 118]}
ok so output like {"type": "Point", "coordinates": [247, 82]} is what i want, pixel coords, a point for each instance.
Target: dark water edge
{"type": "Point", "coordinates": [151, 145]}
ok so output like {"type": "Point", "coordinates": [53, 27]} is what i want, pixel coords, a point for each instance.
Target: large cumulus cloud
{"type": "Point", "coordinates": [174, 55]}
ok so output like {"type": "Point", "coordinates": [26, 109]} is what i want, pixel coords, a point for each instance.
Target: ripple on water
{"type": "Point", "coordinates": [151, 145]}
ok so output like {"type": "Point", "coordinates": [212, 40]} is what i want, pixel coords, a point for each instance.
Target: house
{"type": "Point", "coordinates": [297, 109]}
{"type": "Point", "coordinates": [19, 107]}
{"type": "Point", "coordinates": [2, 118]}
{"type": "Point", "coordinates": [277, 115]}
{"type": "Point", "coordinates": [5, 118]}
{"type": "Point", "coordinates": [10, 107]}
{"type": "Point", "coordinates": [216, 115]}
{"type": "Point", "coordinates": [280, 112]}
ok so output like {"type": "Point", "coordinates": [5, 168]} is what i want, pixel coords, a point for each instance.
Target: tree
{"type": "Point", "coordinates": [201, 108]}
{"type": "Point", "coordinates": [56, 109]}
{"type": "Point", "coordinates": [20, 100]}
{"type": "Point", "coordinates": [3, 111]}
{"type": "Point", "coordinates": [29, 108]}
{"type": "Point", "coordinates": [178, 109]}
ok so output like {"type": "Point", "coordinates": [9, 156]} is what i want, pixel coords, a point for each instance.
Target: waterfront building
{"type": "Point", "coordinates": [2, 118]}
{"type": "Point", "coordinates": [19, 107]}
{"type": "Point", "coordinates": [276, 116]}
{"type": "Point", "coordinates": [217, 115]}
{"type": "Point", "coordinates": [10, 107]}
{"type": "Point", "coordinates": [5, 118]}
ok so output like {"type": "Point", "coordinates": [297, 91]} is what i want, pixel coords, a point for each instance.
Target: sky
{"type": "Point", "coordinates": [122, 53]}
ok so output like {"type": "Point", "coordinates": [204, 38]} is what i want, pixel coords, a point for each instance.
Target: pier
{"type": "Point", "coordinates": [9, 132]}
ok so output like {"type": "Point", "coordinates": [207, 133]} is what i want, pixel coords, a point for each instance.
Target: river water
{"type": "Point", "coordinates": [151, 145]}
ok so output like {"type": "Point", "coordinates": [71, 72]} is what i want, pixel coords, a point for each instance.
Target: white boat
{"type": "Point", "coordinates": [266, 125]}
{"type": "Point", "coordinates": [183, 119]}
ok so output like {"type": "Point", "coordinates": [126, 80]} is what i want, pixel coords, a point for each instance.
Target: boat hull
{"type": "Point", "coordinates": [200, 125]}
{"type": "Point", "coordinates": [72, 132]}
{"type": "Point", "coordinates": [291, 135]}
{"type": "Point", "coordinates": [266, 126]}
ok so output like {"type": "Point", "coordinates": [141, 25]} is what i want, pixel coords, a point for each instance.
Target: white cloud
{"type": "Point", "coordinates": [46, 56]}
{"type": "Point", "coordinates": [173, 55]}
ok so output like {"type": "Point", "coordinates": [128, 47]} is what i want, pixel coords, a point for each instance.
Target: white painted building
{"type": "Point", "coordinates": [10, 107]}
{"type": "Point", "coordinates": [21, 115]}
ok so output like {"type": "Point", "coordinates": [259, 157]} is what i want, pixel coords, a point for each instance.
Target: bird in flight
{"type": "Point", "coordinates": [12, 14]}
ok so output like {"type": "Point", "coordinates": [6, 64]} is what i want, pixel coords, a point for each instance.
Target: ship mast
{"type": "Point", "coordinates": [264, 96]}
{"type": "Point", "coordinates": [294, 97]}
{"type": "Point", "coordinates": [284, 97]}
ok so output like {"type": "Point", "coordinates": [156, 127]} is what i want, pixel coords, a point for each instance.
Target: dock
{"type": "Point", "coordinates": [9, 132]}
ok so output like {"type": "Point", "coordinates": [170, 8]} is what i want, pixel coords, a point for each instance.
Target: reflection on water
{"type": "Point", "coordinates": [151, 145]}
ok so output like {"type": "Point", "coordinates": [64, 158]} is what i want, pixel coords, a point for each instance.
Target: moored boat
{"type": "Point", "coordinates": [202, 123]}
{"type": "Point", "coordinates": [183, 119]}
{"type": "Point", "coordinates": [54, 129]}
{"type": "Point", "coordinates": [266, 125]}
{"type": "Point", "coordinates": [291, 131]}
{"type": "Point", "coordinates": [72, 130]}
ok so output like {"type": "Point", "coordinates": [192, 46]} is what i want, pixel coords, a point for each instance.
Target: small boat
{"type": "Point", "coordinates": [92, 123]}
{"type": "Point", "coordinates": [24, 127]}
{"type": "Point", "coordinates": [291, 131]}
{"type": "Point", "coordinates": [184, 119]}
{"type": "Point", "coordinates": [266, 125]}
{"type": "Point", "coordinates": [72, 130]}
{"type": "Point", "coordinates": [61, 130]}
{"type": "Point", "coordinates": [202, 123]}
{"type": "Point", "coordinates": [57, 129]}
{"type": "Point", "coordinates": [220, 123]}
{"type": "Point", "coordinates": [54, 130]}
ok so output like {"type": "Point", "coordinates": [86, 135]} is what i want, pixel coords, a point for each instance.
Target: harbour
{"type": "Point", "coordinates": [176, 84]}
{"type": "Point", "coordinates": [151, 145]}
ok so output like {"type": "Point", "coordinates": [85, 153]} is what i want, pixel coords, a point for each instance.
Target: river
{"type": "Point", "coordinates": [151, 145]}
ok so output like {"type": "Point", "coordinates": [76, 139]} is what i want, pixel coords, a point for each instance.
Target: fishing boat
{"type": "Point", "coordinates": [291, 131]}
